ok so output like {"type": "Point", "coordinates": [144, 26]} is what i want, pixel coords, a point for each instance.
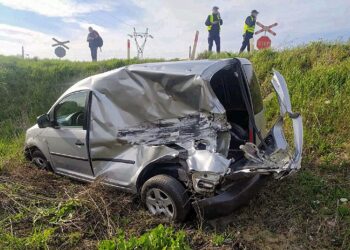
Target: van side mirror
{"type": "Point", "coordinates": [43, 121]}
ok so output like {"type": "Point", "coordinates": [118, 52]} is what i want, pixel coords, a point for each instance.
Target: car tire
{"type": "Point", "coordinates": [40, 161]}
{"type": "Point", "coordinates": [164, 195]}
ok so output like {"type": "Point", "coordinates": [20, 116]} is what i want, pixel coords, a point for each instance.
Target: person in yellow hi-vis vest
{"type": "Point", "coordinates": [213, 23]}
{"type": "Point", "coordinates": [248, 30]}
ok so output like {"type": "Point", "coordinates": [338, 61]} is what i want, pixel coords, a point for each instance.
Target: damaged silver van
{"type": "Point", "coordinates": [180, 134]}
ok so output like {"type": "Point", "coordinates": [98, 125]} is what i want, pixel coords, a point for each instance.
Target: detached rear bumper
{"type": "Point", "coordinates": [225, 203]}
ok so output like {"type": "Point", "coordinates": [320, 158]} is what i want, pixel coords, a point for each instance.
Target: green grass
{"type": "Point", "coordinates": [41, 210]}
{"type": "Point", "coordinates": [218, 239]}
{"type": "Point", "coordinates": [37, 240]}
{"type": "Point", "coordinates": [158, 238]}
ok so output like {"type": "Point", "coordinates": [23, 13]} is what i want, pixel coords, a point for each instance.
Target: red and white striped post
{"type": "Point", "coordinates": [128, 49]}
{"type": "Point", "coordinates": [194, 45]}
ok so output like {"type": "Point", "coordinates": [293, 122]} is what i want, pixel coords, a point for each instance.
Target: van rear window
{"type": "Point", "coordinates": [254, 88]}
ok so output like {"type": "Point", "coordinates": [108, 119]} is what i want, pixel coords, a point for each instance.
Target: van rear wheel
{"type": "Point", "coordinates": [163, 195]}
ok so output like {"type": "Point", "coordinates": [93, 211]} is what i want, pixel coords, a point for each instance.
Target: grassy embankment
{"type": "Point", "coordinates": [39, 209]}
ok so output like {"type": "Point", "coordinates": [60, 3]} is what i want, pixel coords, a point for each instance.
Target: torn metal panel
{"type": "Point", "coordinates": [277, 158]}
{"type": "Point", "coordinates": [206, 161]}
{"type": "Point", "coordinates": [281, 89]}
{"type": "Point", "coordinates": [170, 131]}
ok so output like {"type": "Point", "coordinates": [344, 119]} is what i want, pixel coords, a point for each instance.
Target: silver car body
{"type": "Point", "coordinates": [139, 115]}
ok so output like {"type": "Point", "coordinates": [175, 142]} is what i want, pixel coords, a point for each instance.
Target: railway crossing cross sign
{"type": "Point", "coordinates": [264, 42]}
{"type": "Point", "coordinates": [266, 28]}
{"type": "Point", "coordinates": [60, 48]}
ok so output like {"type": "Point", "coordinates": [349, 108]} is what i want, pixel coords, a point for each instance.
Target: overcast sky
{"type": "Point", "coordinates": [33, 23]}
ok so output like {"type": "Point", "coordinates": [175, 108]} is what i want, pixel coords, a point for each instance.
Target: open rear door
{"type": "Point", "coordinates": [274, 155]}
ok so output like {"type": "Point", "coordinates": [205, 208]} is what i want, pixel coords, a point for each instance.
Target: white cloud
{"type": "Point", "coordinates": [58, 8]}
{"type": "Point", "coordinates": [84, 25]}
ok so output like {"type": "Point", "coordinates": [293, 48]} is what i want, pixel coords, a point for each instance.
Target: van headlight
{"type": "Point", "coordinates": [204, 182]}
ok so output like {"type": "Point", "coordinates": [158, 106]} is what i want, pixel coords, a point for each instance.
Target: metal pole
{"type": "Point", "coordinates": [189, 52]}
{"type": "Point", "coordinates": [194, 45]}
{"type": "Point", "coordinates": [128, 49]}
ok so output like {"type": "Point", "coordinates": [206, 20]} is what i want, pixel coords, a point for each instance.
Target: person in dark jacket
{"type": "Point", "coordinates": [248, 30]}
{"type": "Point", "coordinates": [213, 23]}
{"type": "Point", "coordinates": [91, 39]}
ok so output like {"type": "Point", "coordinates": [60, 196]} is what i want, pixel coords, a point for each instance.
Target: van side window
{"type": "Point", "coordinates": [70, 111]}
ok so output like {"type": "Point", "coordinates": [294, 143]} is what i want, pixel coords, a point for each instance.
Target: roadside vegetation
{"type": "Point", "coordinates": [40, 210]}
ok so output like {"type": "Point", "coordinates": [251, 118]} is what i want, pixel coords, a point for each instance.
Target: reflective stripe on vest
{"type": "Point", "coordinates": [211, 19]}
{"type": "Point", "coordinates": [248, 28]}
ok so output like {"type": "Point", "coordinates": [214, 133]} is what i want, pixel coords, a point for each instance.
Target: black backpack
{"type": "Point", "coordinates": [98, 41]}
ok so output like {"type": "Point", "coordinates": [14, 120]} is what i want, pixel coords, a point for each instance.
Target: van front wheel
{"type": "Point", "coordinates": [40, 160]}
{"type": "Point", "coordinates": [163, 195]}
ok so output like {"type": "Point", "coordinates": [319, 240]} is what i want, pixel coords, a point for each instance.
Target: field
{"type": "Point", "coordinates": [40, 210]}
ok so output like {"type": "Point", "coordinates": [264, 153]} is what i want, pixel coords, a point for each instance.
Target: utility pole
{"type": "Point", "coordinates": [140, 47]}
{"type": "Point", "coordinates": [22, 52]}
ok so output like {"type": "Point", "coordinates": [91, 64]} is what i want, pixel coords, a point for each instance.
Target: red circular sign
{"type": "Point", "coordinates": [263, 42]}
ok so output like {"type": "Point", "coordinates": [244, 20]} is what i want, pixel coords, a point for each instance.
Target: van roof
{"type": "Point", "coordinates": [197, 67]}
{"type": "Point", "coordinates": [203, 68]}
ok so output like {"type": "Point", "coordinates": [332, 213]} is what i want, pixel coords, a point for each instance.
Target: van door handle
{"type": "Point", "coordinates": [79, 143]}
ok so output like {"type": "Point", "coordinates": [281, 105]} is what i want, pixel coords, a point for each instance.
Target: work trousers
{"type": "Point", "coordinates": [214, 37]}
{"type": "Point", "coordinates": [246, 43]}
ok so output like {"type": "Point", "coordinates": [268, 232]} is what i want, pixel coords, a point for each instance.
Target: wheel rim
{"type": "Point", "coordinates": [159, 203]}
{"type": "Point", "coordinates": [40, 162]}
